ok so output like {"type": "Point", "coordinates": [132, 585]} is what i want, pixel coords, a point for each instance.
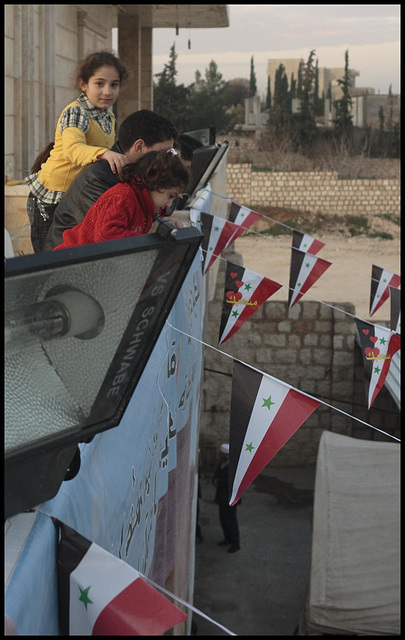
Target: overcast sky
{"type": "Point", "coordinates": [370, 33]}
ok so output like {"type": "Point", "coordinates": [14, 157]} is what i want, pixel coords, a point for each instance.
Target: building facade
{"type": "Point", "coordinates": [45, 42]}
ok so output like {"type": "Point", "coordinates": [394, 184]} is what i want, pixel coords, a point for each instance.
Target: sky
{"type": "Point", "coordinates": [370, 33]}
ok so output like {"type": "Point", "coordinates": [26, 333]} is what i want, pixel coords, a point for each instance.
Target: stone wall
{"type": "Point", "coordinates": [317, 191]}
{"type": "Point", "coordinates": [313, 348]}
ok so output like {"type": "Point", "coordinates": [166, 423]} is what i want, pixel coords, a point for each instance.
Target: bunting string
{"type": "Point", "coordinates": [278, 222]}
{"type": "Point", "coordinates": [327, 304]}
{"type": "Point", "coordinates": [354, 404]}
{"type": "Point", "coordinates": [348, 415]}
{"type": "Point", "coordinates": [189, 606]}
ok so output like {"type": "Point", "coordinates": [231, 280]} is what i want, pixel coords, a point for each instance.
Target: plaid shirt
{"type": "Point", "coordinates": [79, 117]}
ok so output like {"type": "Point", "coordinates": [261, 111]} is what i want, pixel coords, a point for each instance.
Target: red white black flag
{"type": "Point", "coordinates": [378, 345]}
{"type": "Point", "coordinates": [242, 215]}
{"type": "Point", "coordinates": [101, 595]}
{"type": "Point", "coordinates": [381, 281]}
{"type": "Point", "coordinates": [305, 270]}
{"type": "Point", "coordinates": [245, 292]}
{"type": "Point", "coordinates": [265, 413]}
{"type": "Point", "coordinates": [395, 317]}
{"type": "Point", "coordinates": [218, 234]}
{"type": "Point", "coordinates": [304, 242]}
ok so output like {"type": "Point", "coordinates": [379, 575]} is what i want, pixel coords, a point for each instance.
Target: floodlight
{"type": "Point", "coordinates": [203, 165]}
{"type": "Point", "coordinates": [80, 325]}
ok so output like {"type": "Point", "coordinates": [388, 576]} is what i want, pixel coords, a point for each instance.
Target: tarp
{"type": "Point", "coordinates": [355, 580]}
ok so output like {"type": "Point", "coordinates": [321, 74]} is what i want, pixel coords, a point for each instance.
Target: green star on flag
{"type": "Point", "coordinates": [250, 447]}
{"type": "Point", "coordinates": [84, 596]}
{"type": "Point", "coordinates": [267, 402]}
{"type": "Point", "coordinates": [248, 286]}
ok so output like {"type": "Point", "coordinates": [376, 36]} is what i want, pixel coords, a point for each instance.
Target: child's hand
{"type": "Point", "coordinates": [114, 159]}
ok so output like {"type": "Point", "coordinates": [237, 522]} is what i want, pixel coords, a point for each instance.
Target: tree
{"type": "Point", "coordinates": [207, 100]}
{"type": "Point", "coordinates": [268, 94]}
{"type": "Point", "coordinates": [280, 120]}
{"type": "Point", "coordinates": [343, 122]}
{"type": "Point", "coordinates": [236, 91]}
{"type": "Point", "coordinates": [319, 103]}
{"type": "Point", "coordinates": [252, 81]}
{"type": "Point", "coordinates": [305, 119]}
{"type": "Point", "coordinates": [170, 99]}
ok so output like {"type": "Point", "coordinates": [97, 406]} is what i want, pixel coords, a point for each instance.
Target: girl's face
{"type": "Point", "coordinates": [164, 198]}
{"type": "Point", "coordinates": [103, 87]}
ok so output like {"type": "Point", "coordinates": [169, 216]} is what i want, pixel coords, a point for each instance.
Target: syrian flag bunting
{"type": "Point", "coordinates": [218, 234]}
{"type": "Point", "coordinates": [203, 202]}
{"type": "Point", "coordinates": [305, 270]}
{"type": "Point", "coordinates": [265, 413]}
{"type": "Point", "coordinates": [242, 215]}
{"type": "Point", "coordinates": [304, 242]}
{"type": "Point", "coordinates": [101, 595]}
{"type": "Point", "coordinates": [381, 281]}
{"type": "Point", "coordinates": [395, 320]}
{"type": "Point", "coordinates": [378, 345]}
{"type": "Point", "coordinates": [245, 292]}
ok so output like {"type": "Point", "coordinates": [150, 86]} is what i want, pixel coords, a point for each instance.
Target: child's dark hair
{"type": "Point", "coordinates": [157, 170]}
{"type": "Point", "coordinates": [42, 157]}
{"type": "Point", "coordinates": [94, 61]}
{"type": "Point", "coordinates": [145, 125]}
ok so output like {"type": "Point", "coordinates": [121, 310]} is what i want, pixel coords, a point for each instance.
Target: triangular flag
{"type": "Point", "coordinates": [381, 281]}
{"type": "Point", "coordinates": [395, 320]}
{"type": "Point", "coordinates": [245, 292]}
{"type": "Point", "coordinates": [305, 271]}
{"type": "Point", "coordinates": [101, 595]}
{"type": "Point", "coordinates": [378, 345]}
{"type": "Point", "coordinates": [218, 234]}
{"type": "Point", "coordinates": [203, 202]}
{"type": "Point", "coordinates": [243, 216]}
{"type": "Point", "coordinates": [265, 413]}
{"type": "Point", "coordinates": [304, 242]}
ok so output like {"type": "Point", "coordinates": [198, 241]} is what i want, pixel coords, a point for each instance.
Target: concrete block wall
{"type": "Point", "coordinates": [317, 191]}
{"type": "Point", "coordinates": [311, 347]}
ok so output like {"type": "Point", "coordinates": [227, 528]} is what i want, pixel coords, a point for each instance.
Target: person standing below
{"type": "Point", "coordinates": [141, 132]}
{"type": "Point", "coordinates": [129, 208]}
{"type": "Point", "coordinates": [227, 514]}
{"type": "Point", "coordinates": [85, 132]}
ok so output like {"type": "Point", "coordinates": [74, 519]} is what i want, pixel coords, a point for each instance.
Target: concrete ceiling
{"type": "Point", "coordinates": [190, 16]}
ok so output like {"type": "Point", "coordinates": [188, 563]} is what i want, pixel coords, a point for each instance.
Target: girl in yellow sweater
{"type": "Point", "coordinates": [85, 132]}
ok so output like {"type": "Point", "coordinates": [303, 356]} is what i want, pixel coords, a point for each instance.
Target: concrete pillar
{"type": "Point", "coordinates": [129, 48]}
{"type": "Point", "coordinates": [146, 68]}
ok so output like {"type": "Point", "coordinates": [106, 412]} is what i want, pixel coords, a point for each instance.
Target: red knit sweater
{"type": "Point", "coordinates": [121, 211]}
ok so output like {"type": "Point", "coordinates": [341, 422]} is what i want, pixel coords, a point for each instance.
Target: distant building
{"type": "Point", "coordinates": [291, 66]}
{"type": "Point", "coordinates": [366, 109]}
{"type": "Point", "coordinates": [327, 77]}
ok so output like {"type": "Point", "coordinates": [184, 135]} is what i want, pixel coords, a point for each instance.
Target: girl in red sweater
{"type": "Point", "coordinates": [148, 187]}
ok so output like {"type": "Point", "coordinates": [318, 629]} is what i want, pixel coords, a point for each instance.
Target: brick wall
{"type": "Point", "coordinates": [318, 191]}
{"type": "Point", "coordinates": [313, 348]}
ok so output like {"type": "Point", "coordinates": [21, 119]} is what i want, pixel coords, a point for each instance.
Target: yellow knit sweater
{"type": "Point", "coordinates": [73, 149]}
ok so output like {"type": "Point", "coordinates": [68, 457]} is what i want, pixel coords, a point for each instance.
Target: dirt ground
{"type": "Point", "coordinates": [348, 279]}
